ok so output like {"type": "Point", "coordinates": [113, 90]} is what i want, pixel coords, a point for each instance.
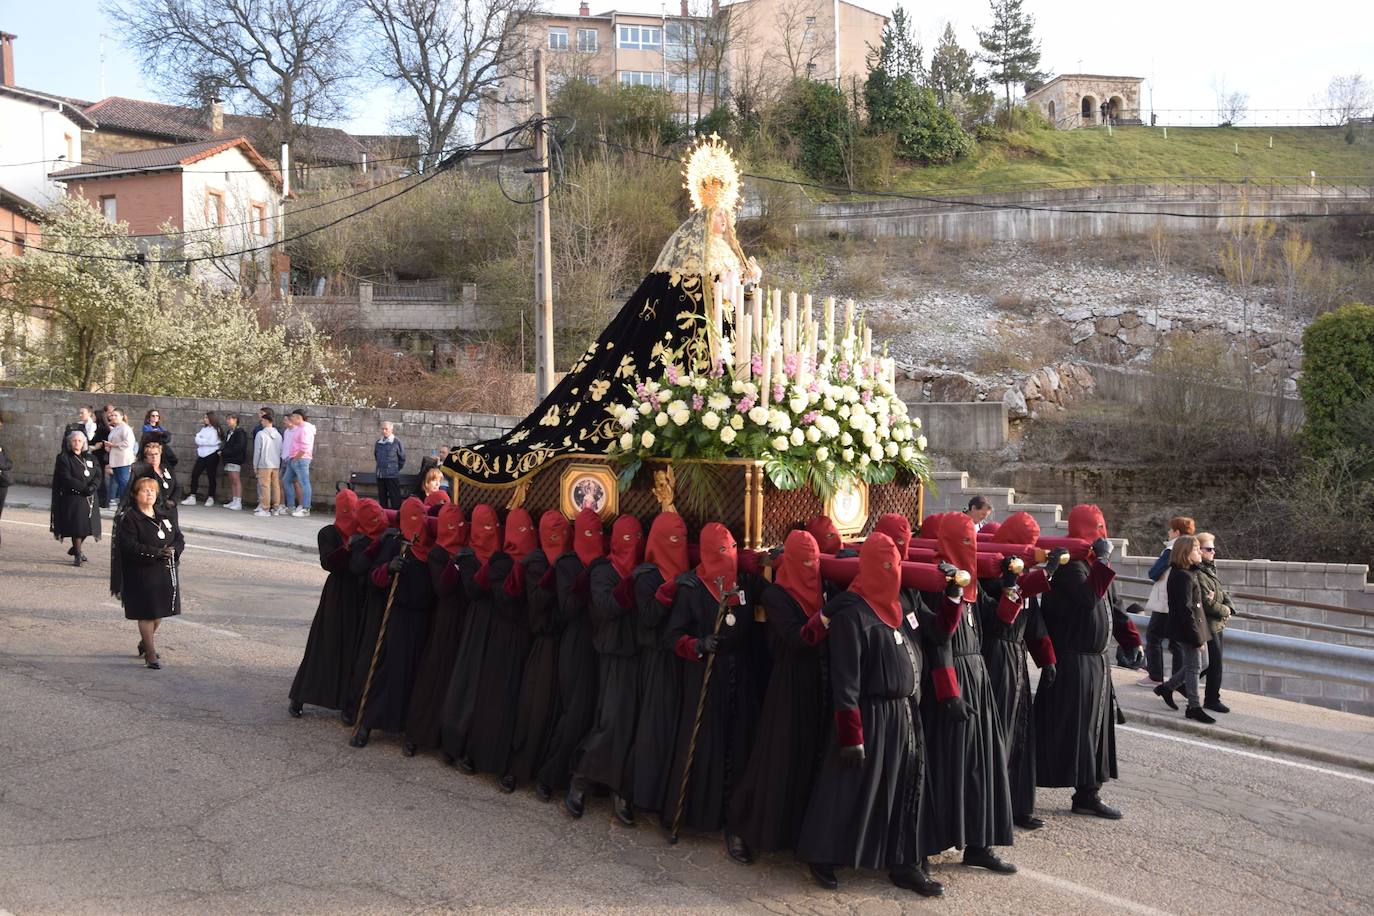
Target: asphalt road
{"type": "Point", "coordinates": [190, 790]}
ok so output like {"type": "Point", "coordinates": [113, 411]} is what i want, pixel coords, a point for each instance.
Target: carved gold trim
{"type": "Point", "coordinates": [574, 472]}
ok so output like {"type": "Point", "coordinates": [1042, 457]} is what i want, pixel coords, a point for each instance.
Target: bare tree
{"type": "Point", "coordinates": [1231, 106]}
{"type": "Point", "coordinates": [800, 46]}
{"type": "Point", "coordinates": [447, 54]}
{"type": "Point", "coordinates": [1347, 97]}
{"type": "Point", "coordinates": [287, 60]}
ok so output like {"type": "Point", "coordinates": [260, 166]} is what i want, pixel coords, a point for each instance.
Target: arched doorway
{"type": "Point", "coordinates": [1088, 111]}
{"type": "Point", "coordinates": [1118, 109]}
{"type": "Point", "coordinates": [1049, 112]}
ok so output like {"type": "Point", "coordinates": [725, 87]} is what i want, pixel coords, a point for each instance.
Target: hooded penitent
{"type": "Point", "coordinates": [627, 545]}
{"type": "Point", "coordinates": [800, 571]}
{"type": "Point", "coordinates": [553, 534]}
{"type": "Point", "coordinates": [667, 545]}
{"type": "Point", "coordinates": [521, 538]}
{"type": "Point", "coordinates": [897, 527]}
{"type": "Point", "coordinates": [452, 529]}
{"type": "Point", "coordinates": [415, 528]}
{"type": "Point", "coordinates": [930, 526]}
{"type": "Point", "coordinates": [345, 513]}
{"type": "Point", "coordinates": [1017, 528]}
{"type": "Point", "coordinates": [589, 542]}
{"type": "Point", "coordinates": [958, 542]}
{"type": "Point", "coordinates": [371, 518]}
{"type": "Point", "coordinates": [437, 498]}
{"type": "Point", "coordinates": [718, 559]}
{"type": "Point", "coordinates": [879, 581]}
{"type": "Point", "coordinates": [1086, 523]}
{"type": "Point", "coordinates": [484, 535]}
{"type": "Point", "coordinates": [826, 534]}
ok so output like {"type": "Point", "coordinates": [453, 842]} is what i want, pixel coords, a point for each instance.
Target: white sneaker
{"type": "Point", "coordinates": [234, 505]}
{"type": "Point", "coordinates": [300, 512]}
{"type": "Point", "coordinates": [209, 501]}
{"type": "Point", "coordinates": [280, 510]}
{"type": "Point", "coordinates": [260, 512]}
{"type": "Point", "coordinates": [189, 501]}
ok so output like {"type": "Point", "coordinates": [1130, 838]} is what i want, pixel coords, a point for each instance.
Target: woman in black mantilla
{"type": "Point", "coordinates": [147, 547]}
{"type": "Point", "coordinates": [662, 316]}
{"type": "Point", "coordinates": [75, 483]}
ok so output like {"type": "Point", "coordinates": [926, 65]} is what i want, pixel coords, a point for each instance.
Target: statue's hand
{"type": "Point", "coordinates": [752, 272]}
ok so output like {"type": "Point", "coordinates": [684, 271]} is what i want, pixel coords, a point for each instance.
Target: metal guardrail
{"type": "Point", "coordinates": [1270, 599]}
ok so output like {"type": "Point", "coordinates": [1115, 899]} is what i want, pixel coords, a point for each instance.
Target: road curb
{"type": "Point", "coordinates": [1259, 742]}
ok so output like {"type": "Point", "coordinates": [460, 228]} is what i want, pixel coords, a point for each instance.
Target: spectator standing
{"type": "Point", "coordinates": [209, 441]}
{"type": "Point", "coordinates": [1216, 604]}
{"type": "Point", "coordinates": [234, 453]}
{"type": "Point", "coordinates": [290, 488]}
{"type": "Point", "coordinates": [152, 423]}
{"type": "Point", "coordinates": [144, 555]}
{"type": "Point", "coordinates": [267, 465]}
{"type": "Point", "coordinates": [121, 444]}
{"type": "Point", "coordinates": [1157, 630]}
{"type": "Point", "coordinates": [75, 480]}
{"type": "Point", "coordinates": [980, 510]}
{"type": "Point", "coordinates": [390, 456]}
{"type": "Point", "coordinates": [299, 455]}
{"type": "Point", "coordinates": [6, 470]}
{"type": "Point", "coordinates": [1187, 626]}
{"type": "Point", "coordinates": [96, 444]}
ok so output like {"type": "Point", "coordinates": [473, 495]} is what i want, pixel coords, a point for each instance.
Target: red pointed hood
{"type": "Point", "coordinates": [521, 538]}
{"type": "Point", "coordinates": [958, 542]}
{"type": "Point", "coordinates": [627, 545]}
{"type": "Point", "coordinates": [453, 528]}
{"type": "Point", "coordinates": [589, 540]}
{"type": "Point", "coordinates": [879, 580]}
{"type": "Point", "coordinates": [718, 559]}
{"type": "Point", "coordinates": [897, 527]}
{"type": "Point", "coordinates": [930, 526]}
{"type": "Point", "coordinates": [484, 535]}
{"type": "Point", "coordinates": [346, 513]}
{"type": "Point", "coordinates": [437, 498]}
{"type": "Point", "coordinates": [1017, 528]}
{"type": "Point", "coordinates": [667, 545]}
{"type": "Point", "coordinates": [554, 531]}
{"type": "Point", "coordinates": [800, 571]}
{"type": "Point", "coordinates": [371, 518]}
{"type": "Point", "coordinates": [414, 528]}
{"type": "Point", "coordinates": [1086, 523]}
{"type": "Point", "coordinates": [826, 534]}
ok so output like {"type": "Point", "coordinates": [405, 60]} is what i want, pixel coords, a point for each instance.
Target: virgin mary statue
{"type": "Point", "coordinates": [665, 315]}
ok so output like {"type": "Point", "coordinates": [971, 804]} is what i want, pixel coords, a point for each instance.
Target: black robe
{"type": "Point", "coordinates": [730, 717]}
{"type": "Point", "coordinates": [503, 668]}
{"type": "Point", "coordinates": [606, 755]}
{"type": "Point", "coordinates": [326, 668]}
{"type": "Point", "coordinates": [168, 495]}
{"type": "Point", "coordinates": [1075, 721]}
{"type": "Point", "coordinates": [796, 720]}
{"type": "Point", "coordinates": [660, 695]}
{"type": "Point", "coordinates": [968, 794]}
{"type": "Point", "coordinates": [363, 553]}
{"type": "Point", "coordinates": [537, 709]}
{"type": "Point", "coordinates": [403, 639]}
{"type": "Point", "coordinates": [576, 673]}
{"type": "Point", "coordinates": [1004, 651]}
{"type": "Point", "coordinates": [150, 587]}
{"type": "Point", "coordinates": [460, 699]}
{"type": "Point", "coordinates": [75, 482]}
{"type": "Point", "coordinates": [436, 665]}
{"type": "Point", "coordinates": [867, 817]}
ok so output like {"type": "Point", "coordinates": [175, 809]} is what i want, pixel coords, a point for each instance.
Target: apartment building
{"type": "Point", "coordinates": [698, 54]}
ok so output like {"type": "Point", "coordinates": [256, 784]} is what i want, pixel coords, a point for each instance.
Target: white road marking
{"type": "Point", "coordinates": [10, 521]}
{"type": "Point", "coordinates": [191, 623]}
{"type": "Point", "coordinates": [1112, 902]}
{"type": "Point", "coordinates": [237, 553]}
{"type": "Point", "coordinates": [1251, 754]}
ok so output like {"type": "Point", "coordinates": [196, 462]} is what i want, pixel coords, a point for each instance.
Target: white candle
{"type": "Point", "coordinates": [757, 308]}
{"type": "Point", "coordinates": [745, 348]}
{"type": "Point", "coordinates": [848, 317]}
{"type": "Point", "coordinates": [868, 342]}
{"type": "Point", "coordinates": [830, 319]}
{"type": "Point", "coordinates": [764, 376]}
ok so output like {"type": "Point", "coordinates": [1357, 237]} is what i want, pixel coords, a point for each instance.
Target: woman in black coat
{"type": "Point", "coordinates": [147, 545]}
{"type": "Point", "coordinates": [1188, 627]}
{"type": "Point", "coordinates": [75, 483]}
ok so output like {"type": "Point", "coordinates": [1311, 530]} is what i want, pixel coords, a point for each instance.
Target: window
{"type": "Point", "coordinates": [641, 78]}
{"type": "Point", "coordinates": [586, 40]}
{"type": "Point", "coordinates": [679, 39]}
{"type": "Point", "coordinates": [71, 147]}
{"type": "Point", "coordinates": [592, 80]}
{"type": "Point", "coordinates": [21, 242]}
{"type": "Point", "coordinates": [214, 208]}
{"type": "Point", "coordinates": [681, 82]}
{"type": "Point", "coordinates": [260, 220]}
{"type": "Point", "coordinates": [108, 209]}
{"type": "Point", "coordinates": [641, 37]}
{"type": "Point", "coordinates": [810, 34]}
{"type": "Point", "coordinates": [558, 39]}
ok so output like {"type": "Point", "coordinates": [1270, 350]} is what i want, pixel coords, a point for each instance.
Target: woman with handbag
{"type": "Point", "coordinates": [1187, 627]}
{"type": "Point", "coordinates": [1158, 608]}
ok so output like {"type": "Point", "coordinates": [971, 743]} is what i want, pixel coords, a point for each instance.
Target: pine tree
{"type": "Point", "coordinates": [951, 69]}
{"type": "Point", "coordinates": [1009, 48]}
{"type": "Point", "coordinates": [900, 54]}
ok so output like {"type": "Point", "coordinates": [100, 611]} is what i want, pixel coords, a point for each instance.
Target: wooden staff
{"type": "Point", "coordinates": [377, 650]}
{"type": "Point", "coordinates": [696, 723]}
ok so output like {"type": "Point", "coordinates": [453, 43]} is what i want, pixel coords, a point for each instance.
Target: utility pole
{"type": "Point", "coordinates": [543, 254]}
{"type": "Point", "coordinates": [280, 271]}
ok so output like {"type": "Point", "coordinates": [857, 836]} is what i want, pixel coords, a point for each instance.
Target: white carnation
{"type": "Point", "coordinates": [892, 449]}
{"type": "Point", "coordinates": [869, 439]}
{"type": "Point", "coordinates": [921, 443]}
{"type": "Point", "coordinates": [822, 453]}
{"type": "Point", "coordinates": [676, 407]}
{"type": "Point", "coordinates": [699, 383]}
{"type": "Point", "coordinates": [908, 453]}
{"type": "Point", "coordinates": [664, 396]}
{"type": "Point", "coordinates": [847, 454]}
{"type": "Point", "coordinates": [846, 439]}
{"type": "Point", "coordinates": [876, 452]}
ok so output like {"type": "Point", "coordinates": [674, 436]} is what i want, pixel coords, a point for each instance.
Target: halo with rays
{"type": "Point", "coordinates": [710, 174]}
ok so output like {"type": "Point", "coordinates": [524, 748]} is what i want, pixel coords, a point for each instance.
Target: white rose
{"type": "Point", "coordinates": [915, 422]}
{"type": "Point", "coordinates": [908, 453]}
{"type": "Point", "coordinates": [759, 415]}
{"type": "Point", "coordinates": [847, 455]}
{"type": "Point", "coordinates": [798, 437]}
{"type": "Point", "coordinates": [828, 404]}
{"type": "Point", "coordinates": [682, 416]}
{"type": "Point", "coordinates": [710, 420]}
{"type": "Point", "coordinates": [921, 443]}
{"type": "Point", "coordinates": [876, 452]}
{"type": "Point", "coordinates": [829, 426]}
{"type": "Point", "coordinates": [892, 449]}
{"type": "Point", "coordinates": [727, 435]}
{"type": "Point", "coordinates": [737, 422]}
{"type": "Point", "coordinates": [869, 439]}
{"type": "Point", "coordinates": [779, 443]}
{"type": "Point", "coordinates": [676, 407]}
{"type": "Point", "coordinates": [718, 401]}
{"type": "Point", "coordinates": [647, 439]}
{"type": "Point", "coordinates": [797, 404]}
{"type": "Point", "coordinates": [843, 412]}
{"type": "Point", "coordinates": [664, 396]}
{"type": "Point", "coordinates": [699, 383]}
{"type": "Point", "coordinates": [660, 419]}
{"type": "Point", "coordinates": [813, 434]}
{"type": "Point", "coordinates": [822, 453]}
{"type": "Point", "coordinates": [627, 441]}
{"type": "Point", "coordinates": [737, 386]}
{"type": "Point", "coordinates": [846, 439]}
{"type": "Point", "coordinates": [863, 461]}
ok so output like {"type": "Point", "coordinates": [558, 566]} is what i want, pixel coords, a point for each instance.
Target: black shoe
{"type": "Point", "coordinates": [466, 765]}
{"type": "Point", "coordinates": [1028, 822]}
{"type": "Point", "coordinates": [575, 801]}
{"type": "Point", "coordinates": [71, 551]}
{"type": "Point", "coordinates": [506, 783]}
{"type": "Point", "coordinates": [984, 857]}
{"type": "Point", "coordinates": [84, 558]}
{"type": "Point", "coordinates": [1166, 693]}
{"type": "Point", "coordinates": [295, 709]}
{"type": "Point", "coordinates": [1120, 716]}
{"type": "Point", "coordinates": [914, 879]}
{"type": "Point", "coordinates": [824, 876]}
{"type": "Point", "coordinates": [1197, 715]}
{"type": "Point", "coordinates": [543, 792]}
{"type": "Point", "coordinates": [738, 849]}
{"type": "Point", "coordinates": [154, 663]}
{"type": "Point", "coordinates": [1216, 706]}
{"type": "Point", "coordinates": [360, 737]}
{"type": "Point", "coordinates": [1097, 808]}
{"type": "Point", "coordinates": [76, 560]}
{"type": "Point", "coordinates": [408, 748]}
{"type": "Point", "coordinates": [141, 648]}
{"type": "Point", "coordinates": [346, 717]}
{"type": "Point", "coordinates": [624, 811]}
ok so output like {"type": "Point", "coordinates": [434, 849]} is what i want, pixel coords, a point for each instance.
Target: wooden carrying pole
{"type": "Point", "coordinates": [377, 650]}
{"type": "Point", "coordinates": [543, 254]}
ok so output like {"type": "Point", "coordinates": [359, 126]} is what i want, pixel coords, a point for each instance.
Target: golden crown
{"type": "Point", "coordinates": [710, 174]}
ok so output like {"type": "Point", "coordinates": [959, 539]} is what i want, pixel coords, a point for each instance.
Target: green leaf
{"type": "Point", "coordinates": [627, 474]}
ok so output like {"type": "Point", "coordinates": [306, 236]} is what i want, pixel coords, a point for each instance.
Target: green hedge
{"type": "Point", "coordinates": [1338, 375]}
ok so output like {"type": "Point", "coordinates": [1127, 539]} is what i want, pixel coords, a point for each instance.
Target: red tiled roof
{"type": "Point", "coordinates": [164, 158]}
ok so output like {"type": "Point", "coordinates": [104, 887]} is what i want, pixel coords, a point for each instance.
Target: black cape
{"type": "Point", "coordinates": [576, 673]}
{"type": "Point", "coordinates": [660, 695]}
{"type": "Point", "coordinates": [403, 640]}
{"type": "Point", "coordinates": [168, 495]}
{"type": "Point", "coordinates": [503, 668]}
{"type": "Point", "coordinates": [867, 817]}
{"type": "Point", "coordinates": [363, 553]}
{"type": "Point", "coordinates": [460, 699]}
{"type": "Point", "coordinates": [605, 756]}
{"type": "Point", "coordinates": [436, 665]}
{"type": "Point", "coordinates": [537, 709]}
{"type": "Point", "coordinates": [150, 586]}
{"type": "Point", "coordinates": [75, 482]}
{"type": "Point", "coordinates": [326, 667]}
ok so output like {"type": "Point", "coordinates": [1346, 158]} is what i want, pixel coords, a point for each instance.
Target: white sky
{"type": "Point", "coordinates": [1282, 55]}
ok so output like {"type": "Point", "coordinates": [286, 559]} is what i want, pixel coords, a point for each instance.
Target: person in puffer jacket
{"type": "Point", "coordinates": [234, 453]}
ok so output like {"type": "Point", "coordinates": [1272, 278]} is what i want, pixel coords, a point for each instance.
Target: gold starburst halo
{"type": "Point", "coordinates": [711, 176]}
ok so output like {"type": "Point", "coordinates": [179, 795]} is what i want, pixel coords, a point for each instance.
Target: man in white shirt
{"type": "Point", "coordinates": [979, 509]}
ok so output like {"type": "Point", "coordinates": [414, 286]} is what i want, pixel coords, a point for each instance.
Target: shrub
{"type": "Point", "coordinates": [818, 116]}
{"type": "Point", "coordinates": [1338, 375]}
{"type": "Point", "coordinates": [925, 132]}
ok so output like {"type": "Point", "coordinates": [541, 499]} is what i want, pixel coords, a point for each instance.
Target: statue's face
{"type": "Point", "coordinates": [718, 222]}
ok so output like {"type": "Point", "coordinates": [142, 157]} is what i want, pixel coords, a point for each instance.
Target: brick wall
{"type": "Point", "coordinates": [34, 420]}
{"type": "Point", "coordinates": [145, 202]}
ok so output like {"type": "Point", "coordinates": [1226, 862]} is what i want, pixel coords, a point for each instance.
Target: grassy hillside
{"type": "Point", "coordinates": [1088, 156]}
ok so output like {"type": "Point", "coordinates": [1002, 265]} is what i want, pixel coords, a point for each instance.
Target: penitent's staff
{"type": "Point", "coordinates": [701, 706]}
{"type": "Point", "coordinates": [376, 652]}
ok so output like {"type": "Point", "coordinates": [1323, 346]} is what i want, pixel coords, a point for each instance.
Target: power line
{"type": "Point", "coordinates": [160, 168]}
